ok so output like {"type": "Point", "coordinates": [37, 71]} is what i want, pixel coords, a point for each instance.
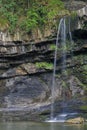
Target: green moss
{"type": "Point", "coordinates": [85, 89]}
{"type": "Point", "coordinates": [83, 108]}
{"type": "Point", "coordinates": [64, 84]}
{"type": "Point", "coordinates": [84, 99]}
{"type": "Point", "coordinates": [80, 83]}
{"type": "Point", "coordinates": [73, 14]}
{"type": "Point", "coordinates": [59, 49]}
{"type": "Point", "coordinates": [44, 65]}
{"type": "Point", "coordinates": [52, 47]}
{"type": "Point", "coordinates": [85, 69]}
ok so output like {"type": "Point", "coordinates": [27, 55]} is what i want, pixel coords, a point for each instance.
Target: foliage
{"type": "Point", "coordinates": [3, 23]}
{"type": "Point", "coordinates": [53, 47]}
{"type": "Point", "coordinates": [29, 14]}
{"type": "Point", "coordinates": [85, 69]}
{"type": "Point", "coordinates": [45, 65]}
{"type": "Point", "coordinates": [31, 20]}
{"type": "Point", "coordinates": [7, 11]}
{"type": "Point", "coordinates": [64, 84]}
{"type": "Point", "coordinates": [73, 15]}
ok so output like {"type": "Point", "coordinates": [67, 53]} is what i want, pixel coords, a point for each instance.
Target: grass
{"type": "Point", "coordinates": [44, 65]}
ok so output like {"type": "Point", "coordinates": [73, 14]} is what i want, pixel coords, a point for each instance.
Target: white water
{"type": "Point", "coordinates": [63, 42]}
{"type": "Point", "coordinates": [62, 35]}
{"type": "Point", "coordinates": [54, 72]}
{"type": "Point", "coordinates": [62, 117]}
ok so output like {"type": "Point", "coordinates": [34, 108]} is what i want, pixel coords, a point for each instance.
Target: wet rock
{"type": "Point", "coordinates": [78, 120]}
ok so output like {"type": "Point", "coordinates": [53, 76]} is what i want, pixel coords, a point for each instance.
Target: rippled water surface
{"type": "Point", "coordinates": [40, 126]}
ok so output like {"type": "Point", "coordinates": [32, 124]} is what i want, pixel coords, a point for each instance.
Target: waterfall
{"type": "Point", "coordinates": [64, 56]}
{"type": "Point", "coordinates": [54, 72]}
{"type": "Point", "coordinates": [61, 40]}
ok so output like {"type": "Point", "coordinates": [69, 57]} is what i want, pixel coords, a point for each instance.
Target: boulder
{"type": "Point", "coordinates": [77, 120]}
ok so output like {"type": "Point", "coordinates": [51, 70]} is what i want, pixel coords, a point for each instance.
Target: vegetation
{"type": "Point", "coordinates": [64, 85]}
{"type": "Point", "coordinates": [44, 65]}
{"type": "Point", "coordinates": [28, 14]}
{"type": "Point", "coordinates": [84, 108]}
{"type": "Point", "coordinates": [53, 47]}
{"type": "Point", "coordinates": [73, 15]}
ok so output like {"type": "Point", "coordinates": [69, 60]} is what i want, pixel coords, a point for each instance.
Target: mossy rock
{"type": "Point", "coordinates": [83, 108]}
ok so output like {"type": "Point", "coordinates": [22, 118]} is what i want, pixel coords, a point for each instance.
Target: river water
{"type": "Point", "coordinates": [41, 126]}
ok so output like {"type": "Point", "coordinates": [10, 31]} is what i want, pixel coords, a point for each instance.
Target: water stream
{"type": "Point", "coordinates": [61, 35]}
{"type": "Point", "coordinates": [54, 73]}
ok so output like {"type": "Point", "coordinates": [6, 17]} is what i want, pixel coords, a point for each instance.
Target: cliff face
{"type": "Point", "coordinates": [26, 73]}
{"type": "Point", "coordinates": [74, 4]}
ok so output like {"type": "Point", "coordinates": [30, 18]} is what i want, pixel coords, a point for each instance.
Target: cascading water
{"type": "Point", "coordinates": [61, 35]}
{"type": "Point", "coordinates": [64, 56]}
{"type": "Point", "coordinates": [54, 72]}
{"type": "Point", "coordinates": [63, 42]}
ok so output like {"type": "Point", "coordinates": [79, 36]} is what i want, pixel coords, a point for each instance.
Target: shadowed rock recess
{"type": "Point", "coordinates": [26, 72]}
